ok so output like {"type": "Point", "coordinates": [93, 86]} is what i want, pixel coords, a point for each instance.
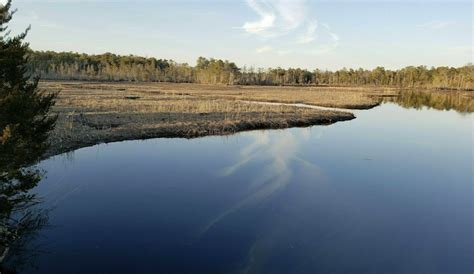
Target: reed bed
{"type": "Point", "coordinates": [338, 97]}
{"type": "Point", "coordinates": [89, 114]}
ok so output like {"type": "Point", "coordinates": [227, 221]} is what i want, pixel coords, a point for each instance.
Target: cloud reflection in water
{"type": "Point", "coordinates": [278, 155]}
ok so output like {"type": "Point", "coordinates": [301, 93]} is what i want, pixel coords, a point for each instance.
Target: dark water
{"type": "Point", "coordinates": [389, 192]}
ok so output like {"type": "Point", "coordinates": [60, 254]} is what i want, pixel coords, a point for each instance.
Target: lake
{"type": "Point", "coordinates": [388, 192]}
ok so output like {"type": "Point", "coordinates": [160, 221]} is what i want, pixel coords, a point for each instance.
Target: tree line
{"type": "Point", "coordinates": [111, 67]}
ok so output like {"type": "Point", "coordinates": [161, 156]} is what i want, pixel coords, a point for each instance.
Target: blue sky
{"type": "Point", "coordinates": [260, 33]}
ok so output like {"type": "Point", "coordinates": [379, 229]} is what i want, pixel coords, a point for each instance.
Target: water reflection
{"type": "Point", "coordinates": [20, 216]}
{"type": "Point", "coordinates": [453, 100]}
{"type": "Point", "coordinates": [275, 156]}
{"type": "Point", "coordinates": [300, 200]}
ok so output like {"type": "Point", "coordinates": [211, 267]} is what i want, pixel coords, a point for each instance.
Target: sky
{"type": "Point", "coordinates": [308, 34]}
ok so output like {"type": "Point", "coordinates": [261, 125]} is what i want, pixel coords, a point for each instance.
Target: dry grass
{"type": "Point", "coordinates": [94, 113]}
{"type": "Point", "coordinates": [340, 97]}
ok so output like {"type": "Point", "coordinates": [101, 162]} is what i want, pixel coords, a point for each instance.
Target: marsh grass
{"type": "Point", "coordinates": [340, 97]}
{"type": "Point", "coordinates": [94, 113]}
{"type": "Point", "coordinates": [91, 113]}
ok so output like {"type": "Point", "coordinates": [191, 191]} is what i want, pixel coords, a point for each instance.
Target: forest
{"type": "Point", "coordinates": [111, 67]}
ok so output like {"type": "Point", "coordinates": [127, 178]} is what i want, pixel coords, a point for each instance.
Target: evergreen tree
{"type": "Point", "coordinates": [25, 122]}
{"type": "Point", "coordinates": [24, 109]}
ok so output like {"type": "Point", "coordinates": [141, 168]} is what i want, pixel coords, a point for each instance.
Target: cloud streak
{"type": "Point", "coordinates": [290, 28]}
{"type": "Point", "coordinates": [266, 21]}
{"type": "Point", "coordinates": [276, 17]}
{"type": "Point", "coordinates": [310, 35]}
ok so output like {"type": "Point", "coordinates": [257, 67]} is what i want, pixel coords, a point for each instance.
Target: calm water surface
{"type": "Point", "coordinates": [388, 192]}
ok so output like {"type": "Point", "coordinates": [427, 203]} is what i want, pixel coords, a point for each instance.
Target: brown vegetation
{"type": "Point", "coordinates": [91, 113]}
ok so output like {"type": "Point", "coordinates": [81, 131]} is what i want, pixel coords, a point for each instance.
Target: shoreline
{"type": "Point", "coordinates": [91, 113]}
{"type": "Point", "coordinates": [95, 113]}
{"type": "Point", "coordinates": [66, 147]}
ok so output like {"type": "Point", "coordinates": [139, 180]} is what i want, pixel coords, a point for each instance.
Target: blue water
{"type": "Point", "coordinates": [388, 192]}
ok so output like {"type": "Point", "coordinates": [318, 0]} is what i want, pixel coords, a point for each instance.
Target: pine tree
{"type": "Point", "coordinates": [25, 122]}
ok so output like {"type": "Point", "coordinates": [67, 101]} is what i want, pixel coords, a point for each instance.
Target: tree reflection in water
{"type": "Point", "coordinates": [20, 216]}
{"type": "Point", "coordinates": [462, 102]}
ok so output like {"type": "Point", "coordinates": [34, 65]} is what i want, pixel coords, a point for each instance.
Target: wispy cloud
{"type": "Point", "coordinates": [276, 17]}
{"type": "Point", "coordinates": [435, 25]}
{"type": "Point", "coordinates": [290, 27]}
{"type": "Point", "coordinates": [266, 21]}
{"type": "Point", "coordinates": [310, 34]}
{"type": "Point", "coordinates": [330, 43]}
{"type": "Point", "coordinates": [292, 12]}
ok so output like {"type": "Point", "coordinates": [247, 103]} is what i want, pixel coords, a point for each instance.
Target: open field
{"type": "Point", "coordinates": [92, 113]}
